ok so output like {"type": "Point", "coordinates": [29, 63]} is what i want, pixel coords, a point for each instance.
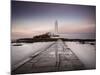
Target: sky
{"type": "Point", "coordinates": [34, 18]}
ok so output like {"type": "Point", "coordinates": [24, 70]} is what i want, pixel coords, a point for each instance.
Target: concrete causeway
{"type": "Point", "coordinates": [56, 57]}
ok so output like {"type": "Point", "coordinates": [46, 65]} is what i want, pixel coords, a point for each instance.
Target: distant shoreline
{"type": "Point", "coordinates": [31, 40]}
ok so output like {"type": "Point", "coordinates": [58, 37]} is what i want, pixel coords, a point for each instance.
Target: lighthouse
{"type": "Point", "coordinates": [55, 34]}
{"type": "Point", "coordinates": [56, 27]}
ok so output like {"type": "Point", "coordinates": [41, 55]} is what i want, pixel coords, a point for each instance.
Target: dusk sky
{"type": "Point", "coordinates": [31, 18]}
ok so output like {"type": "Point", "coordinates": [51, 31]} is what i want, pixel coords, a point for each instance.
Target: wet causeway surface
{"type": "Point", "coordinates": [56, 57]}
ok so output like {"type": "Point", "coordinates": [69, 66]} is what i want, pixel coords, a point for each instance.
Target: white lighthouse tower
{"type": "Point", "coordinates": [56, 30]}
{"type": "Point", "coordinates": [55, 34]}
{"type": "Point", "coordinates": [56, 27]}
